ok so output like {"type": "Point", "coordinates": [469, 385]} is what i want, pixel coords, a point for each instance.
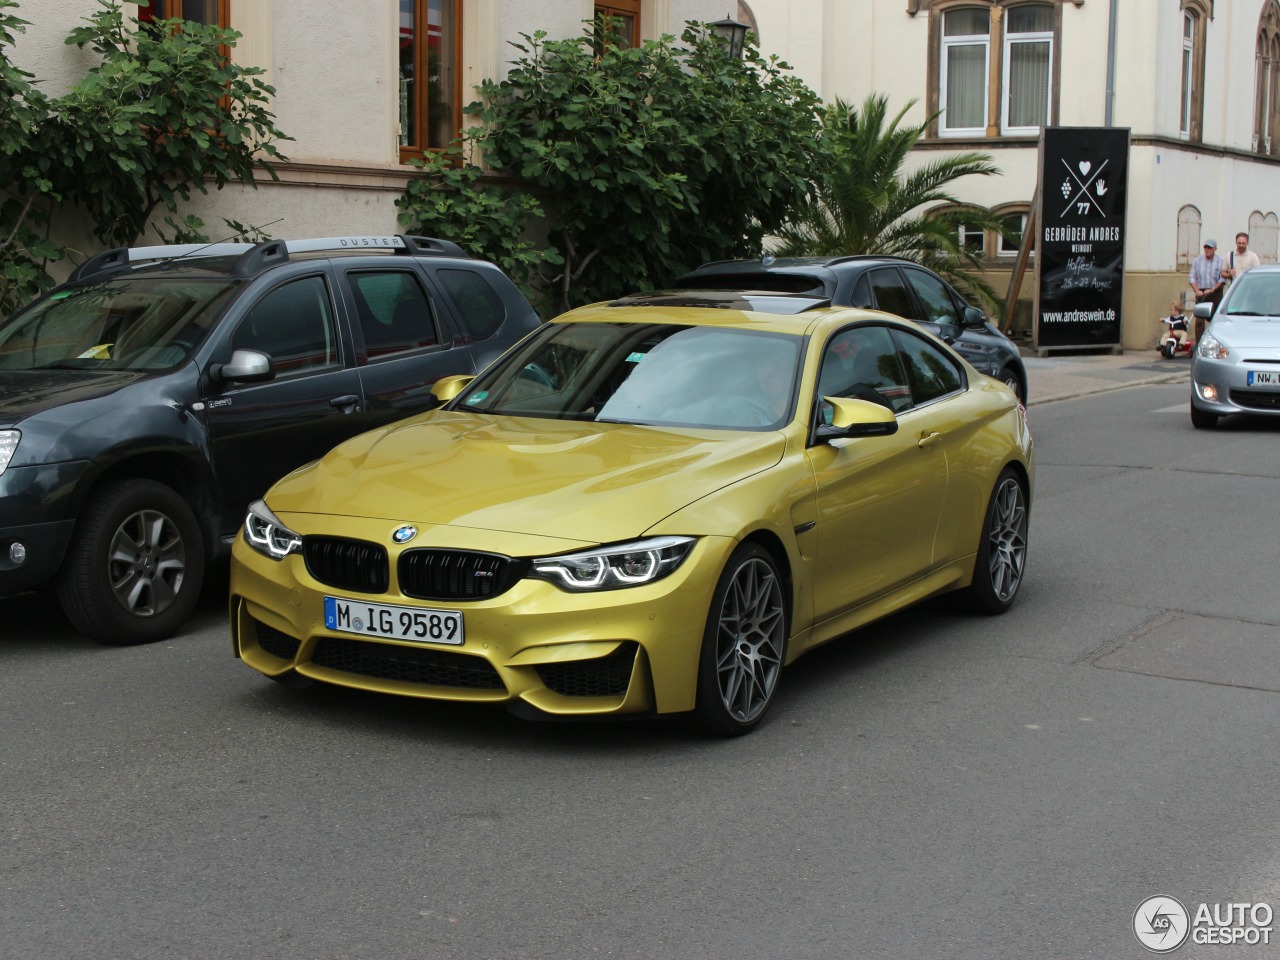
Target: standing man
{"type": "Point", "coordinates": [1241, 258]}
{"type": "Point", "coordinates": [1206, 280]}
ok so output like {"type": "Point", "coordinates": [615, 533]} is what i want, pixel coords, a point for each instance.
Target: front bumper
{"type": "Point", "coordinates": [614, 652]}
{"type": "Point", "coordinates": [36, 510]}
{"type": "Point", "coordinates": [1222, 388]}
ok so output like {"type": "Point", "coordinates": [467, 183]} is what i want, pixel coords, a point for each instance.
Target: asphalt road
{"type": "Point", "coordinates": [938, 785]}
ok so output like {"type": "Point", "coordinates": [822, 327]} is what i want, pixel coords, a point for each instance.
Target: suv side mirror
{"type": "Point", "coordinates": [974, 318]}
{"type": "Point", "coordinates": [246, 366]}
{"type": "Point", "coordinates": [850, 417]}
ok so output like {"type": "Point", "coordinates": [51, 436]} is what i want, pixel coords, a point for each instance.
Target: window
{"type": "Point", "coordinates": [1188, 235]}
{"type": "Point", "coordinates": [1191, 94]}
{"type": "Point", "coordinates": [201, 11]}
{"type": "Point", "coordinates": [430, 75]}
{"type": "Point", "coordinates": [861, 364]}
{"type": "Point", "coordinates": [1264, 233]}
{"type": "Point", "coordinates": [891, 293]}
{"type": "Point", "coordinates": [477, 303]}
{"type": "Point", "coordinates": [1015, 225]}
{"type": "Point", "coordinates": [1028, 55]}
{"type": "Point", "coordinates": [627, 13]}
{"type": "Point", "coordinates": [293, 325]}
{"type": "Point", "coordinates": [1008, 45]}
{"type": "Point", "coordinates": [939, 305]}
{"type": "Point", "coordinates": [972, 239]}
{"type": "Point", "coordinates": [965, 48]}
{"type": "Point", "coordinates": [931, 374]}
{"type": "Point", "coordinates": [1266, 115]}
{"type": "Point", "coordinates": [393, 311]}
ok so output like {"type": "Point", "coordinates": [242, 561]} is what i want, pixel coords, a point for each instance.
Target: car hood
{"type": "Point", "coordinates": [590, 482]}
{"type": "Point", "coordinates": [1249, 332]}
{"type": "Point", "coordinates": [24, 393]}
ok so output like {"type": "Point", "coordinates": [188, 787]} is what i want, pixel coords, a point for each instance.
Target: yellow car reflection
{"type": "Point", "coordinates": [649, 506]}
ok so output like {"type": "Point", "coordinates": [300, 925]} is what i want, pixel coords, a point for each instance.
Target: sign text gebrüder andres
{"type": "Point", "coordinates": [1084, 173]}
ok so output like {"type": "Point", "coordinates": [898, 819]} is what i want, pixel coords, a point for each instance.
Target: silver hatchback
{"type": "Point", "coordinates": [1236, 364]}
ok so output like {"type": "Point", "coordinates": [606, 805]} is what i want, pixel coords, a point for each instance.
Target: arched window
{"type": "Point", "coordinates": [1195, 13]}
{"type": "Point", "coordinates": [1266, 108]}
{"type": "Point", "coordinates": [746, 16]}
{"type": "Point", "coordinates": [1264, 235]}
{"type": "Point", "coordinates": [1188, 235]}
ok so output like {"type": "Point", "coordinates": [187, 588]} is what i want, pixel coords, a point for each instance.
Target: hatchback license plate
{"type": "Point", "coordinates": [1264, 378]}
{"type": "Point", "coordinates": [399, 623]}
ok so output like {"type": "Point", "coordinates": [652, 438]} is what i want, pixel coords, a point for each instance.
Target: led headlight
{"type": "Point", "coordinates": [611, 568]}
{"type": "Point", "coordinates": [1211, 349]}
{"type": "Point", "coordinates": [8, 444]}
{"type": "Point", "coordinates": [265, 533]}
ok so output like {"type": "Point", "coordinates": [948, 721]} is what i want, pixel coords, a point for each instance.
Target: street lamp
{"type": "Point", "coordinates": [731, 32]}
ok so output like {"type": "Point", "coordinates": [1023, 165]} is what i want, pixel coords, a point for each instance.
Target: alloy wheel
{"type": "Point", "coordinates": [146, 563]}
{"type": "Point", "coordinates": [1007, 539]}
{"type": "Point", "coordinates": [750, 636]}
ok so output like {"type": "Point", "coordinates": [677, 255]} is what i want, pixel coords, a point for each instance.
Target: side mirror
{"type": "Point", "coordinates": [246, 366]}
{"type": "Point", "coordinates": [848, 417]}
{"type": "Point", "coordinates": [446, 388]}
{"type": "Point", "coordinates": [1203, 311]}
{"type": "Point", "coordinates": [974, 318]}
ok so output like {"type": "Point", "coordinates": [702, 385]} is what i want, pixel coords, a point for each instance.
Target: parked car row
{"type": "Point", "coordinates": [646, 506]}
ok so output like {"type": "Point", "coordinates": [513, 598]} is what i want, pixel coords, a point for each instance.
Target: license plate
{"type": "Point", "coordinates": [1264, 378]}
{"type": "Point", "coordinates": [399, 623]}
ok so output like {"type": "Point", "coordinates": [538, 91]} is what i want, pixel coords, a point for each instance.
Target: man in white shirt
{"type": "Point", "coordinates": [1206, 280]}
{"type": "Point", "coordinates": [1240, 259]}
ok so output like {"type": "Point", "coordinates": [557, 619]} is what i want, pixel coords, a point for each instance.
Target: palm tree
{"type": "Point", "coordinates": [864, 203]}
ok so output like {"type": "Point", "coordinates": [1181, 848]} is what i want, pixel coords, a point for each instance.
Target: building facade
{"type": "Point", "coordinates": [1196, 82]}
{"type": "Point", "coordinates": [361, 87]}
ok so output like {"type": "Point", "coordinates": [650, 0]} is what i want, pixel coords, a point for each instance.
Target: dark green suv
{"type": "Point", "coordinates": [146, 402]}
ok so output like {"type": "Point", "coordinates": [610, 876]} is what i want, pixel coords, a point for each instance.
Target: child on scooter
{"type": "Point", "coordinates": [1176, 338]}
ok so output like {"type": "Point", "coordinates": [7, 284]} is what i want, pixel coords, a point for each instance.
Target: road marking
{"type": "Point", "coordinates": [1176, 408]}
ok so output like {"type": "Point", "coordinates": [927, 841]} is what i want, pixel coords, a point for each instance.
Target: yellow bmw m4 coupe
{"type": "Point", "coordinates": [648, 506]}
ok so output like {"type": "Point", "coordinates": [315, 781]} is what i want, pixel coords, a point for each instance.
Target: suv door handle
{"type": "Point", "coordinates": [929, 439]}
{"type": "Point", "coordinates": [349, 403]}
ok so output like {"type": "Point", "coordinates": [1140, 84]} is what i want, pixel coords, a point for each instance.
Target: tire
{"type": "Point", "coordinates": [135, 566]}
{"type": "Point", "coordinates": [1202, 419]}
{"type": "Point", "coordinates": [1002, 551]}
{"type": "Point", "coordinates": [743, 644]}
{"type": "Point", "coordinates": [1010, 378]}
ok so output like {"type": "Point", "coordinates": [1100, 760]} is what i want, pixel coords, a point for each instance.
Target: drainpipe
{"type": "Point", "coordinates": [1111, 63]}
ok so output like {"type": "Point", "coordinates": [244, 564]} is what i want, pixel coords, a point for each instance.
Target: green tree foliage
{"type": "Point", "coordinates": [163, 113]}
{"type": "Point", "coordinates": [651, 159]}
{"type": "Point", "coordinates": [486, 221]}
{"type": "Point", "coordinates": [866, 203]}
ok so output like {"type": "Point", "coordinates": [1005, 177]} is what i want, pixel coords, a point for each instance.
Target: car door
{"type": "Point", "coordinates": [403, 343]}
{"type": "Point", "coordinates": [879, 498]}
{"type": "Point", "coordinates": [261, 431]}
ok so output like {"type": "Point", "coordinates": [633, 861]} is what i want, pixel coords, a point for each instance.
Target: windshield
{"type": "Point", "coordinates": [131, 324]}
{"type": "Point", "coordinates": [646, 373]}
{"type": "Point", "coordinates": [1256, 294]}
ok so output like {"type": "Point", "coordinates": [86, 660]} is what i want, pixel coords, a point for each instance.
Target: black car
{"type": "Point", "coordinates": [146, 402]}
{"type": "Point", "coordinates": [891, 284]}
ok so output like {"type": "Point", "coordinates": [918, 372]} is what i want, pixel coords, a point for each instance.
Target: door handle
{"type": "Point", "coordinates": [929, 439]}
{"type": "Point", "coordinates": [347, 404]}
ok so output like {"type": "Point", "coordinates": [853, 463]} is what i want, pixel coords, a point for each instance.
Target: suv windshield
{"type": "Point", "coordinates": [138, 323]}
{"type": "Point", "coordinates": [646, 373]}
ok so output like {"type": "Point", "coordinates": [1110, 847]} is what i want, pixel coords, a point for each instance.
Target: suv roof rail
{"type": "Point", "coordinates": [253, 257]}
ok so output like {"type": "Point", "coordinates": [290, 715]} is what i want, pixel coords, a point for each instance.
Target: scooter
{"type": "Point", "coordinates": [1170, 346]}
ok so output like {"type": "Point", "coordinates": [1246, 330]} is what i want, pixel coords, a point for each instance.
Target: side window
{"type": "Point", "coordinates": [862, 363]}
{"type": "Point", "coordinates": [891, 293]}
{"type": "Point", "coordinates": [862, 294]}
{"type": "Point", "coordinates": [293, 324]}
{"type": "Point", "coordinates": [478, 304]}
{"type": "Point", "coordinates": [930, 372]}
{"type": "Point", "coordinates": [393, 311]}
{"type": "Point", "coordinates": [933, 293]}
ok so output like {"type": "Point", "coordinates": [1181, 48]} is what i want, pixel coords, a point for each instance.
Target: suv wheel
{"type": "Point", "coordinates": [135, 565]}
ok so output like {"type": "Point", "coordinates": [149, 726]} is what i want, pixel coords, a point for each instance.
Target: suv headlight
{"type": "Point", "coordinates": [265, 533]}
{"type": "Point", "coordinates": [1211, 349]}
{"type": "Point", "coordinates": [8, 444]}
{"type": "Point", "coordinates": [612, 568]}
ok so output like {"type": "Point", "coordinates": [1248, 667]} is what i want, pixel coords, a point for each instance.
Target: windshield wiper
{"type": "Point", "coordinates": [63, 365]}
{"type": "Point", "coordinates": [1248, 313]}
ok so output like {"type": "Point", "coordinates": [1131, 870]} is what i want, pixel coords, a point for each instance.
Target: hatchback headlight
{"type": "Point", "coordinates": [1211, 349]}
{"type": "Point", "coordinates": [8, 445]}
{"type": "Point", "coordinates": [612, 568]}
{"type": "Point", "coordinates": [265, 533]}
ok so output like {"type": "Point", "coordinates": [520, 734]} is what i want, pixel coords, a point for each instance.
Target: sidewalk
{"type": "Point", "coordinates": [1063, 377]}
